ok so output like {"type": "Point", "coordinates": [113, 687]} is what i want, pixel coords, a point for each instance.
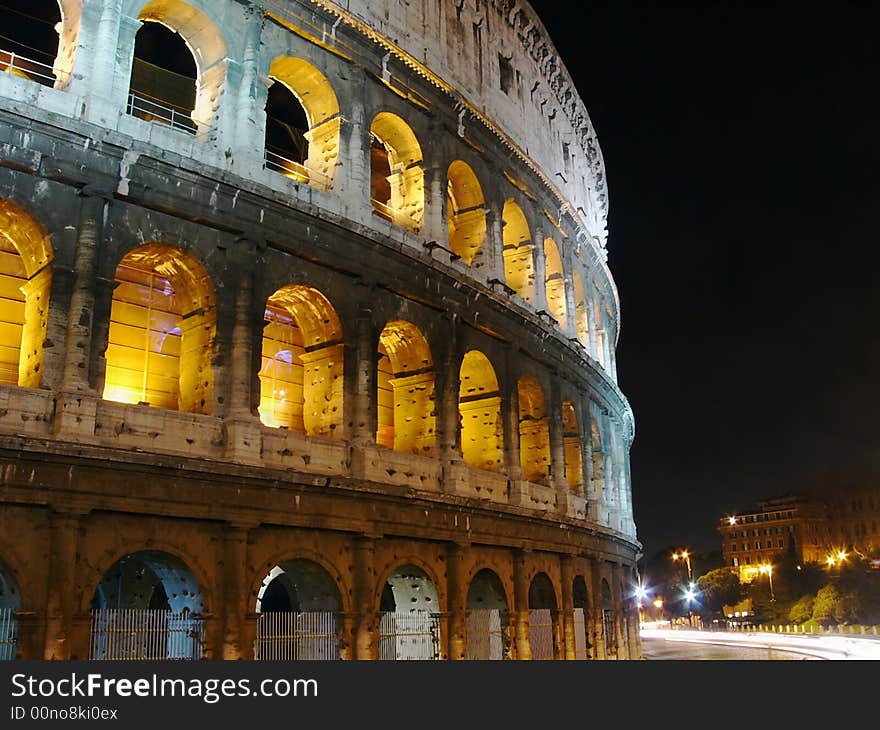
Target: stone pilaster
{"type": "Point", "coordinates": [457, 598]}
{"type": "Point", "coordinates": [366, 628]}
{"type": "Point", "coordinates": [521, 607]}
{"type": "Point", "coordinates": [567, 577]}
{"type": "Point", "coordinates": [60, 601]}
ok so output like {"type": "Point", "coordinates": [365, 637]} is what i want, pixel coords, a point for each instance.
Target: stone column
{"type": "Point", "coordinates": [586, 452]}
{"type": "Point", "coordinates": [455, 471]}
{"type": "Point", "coordinates": [234, 576]}
{"type": "Point", "coordinates": [540, 265]}
{"type": "Point", "coordinates": [598, 609]}
{"type": "Point", "coordinates": [363, 380]}
{"type": "Point", "coordinates": [521, 606]}
{"type": "Point", "coordinates": [354, 145]}
{"type": "Point", "coordinates": [434, 227]}
{"type": "Point", "coordinates": [567, 573]}
{"type": "Point", "coordinates": [557, 448]}
{"type": "Point", "coordinates": [366, 628]}
{"type": "Point", "coordinates": [494, 247]}
{"type": "Point", "coordinates": [456, 592]}
{"type": "Point", "coordinates": [61, 598]}
{"type": "Point", "coordinates": [249, 133]}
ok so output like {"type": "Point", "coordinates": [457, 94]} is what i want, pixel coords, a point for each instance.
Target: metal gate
{"type": "Point", "coordinates": [414, 635]}
{"type": "Point", "coordinates": [137, 633]}
{"type": "Point", "coordinates": [8, 633]}
{"type": "Point", "coordinates": [487, 634]}
{"type": "Point", "coordinates": [285, 635]}
{"type": "Point", "coordinates": [580, 634]}
{"type": "Point", "coordinates": [541, 633]}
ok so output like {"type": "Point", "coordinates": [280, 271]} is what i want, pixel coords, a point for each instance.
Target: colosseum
{"type": "Point", "coordinates": [307, 344]}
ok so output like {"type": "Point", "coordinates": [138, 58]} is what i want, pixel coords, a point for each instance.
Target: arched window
{"type": "Point", "coordinates": [406, 420]}
{"type": "Point", "coordinates": [302, 123]}
{"type": "Point", "coordinates": [162, 324]}
{"type": "Point", "coordinates": [301, 385]}
{"type": "Point", "coordinates": [581, 310]}
{"type": "Point", "coordinates": [38, 40]}
{"type": "Point", "coordinates": [519, 270]}
{"type": "Point", "coordinates": [25, 281]}
{"type": "Point", "coordinates": [534, 434]}
{"type": "Point", "coordinates": [571, 434]}
{"type": "Point", "coordinates": [178, 68]}
{"type": "Point", "coordinates": [555, 283]}
{"type": "Point", "coordinates": [397, 181]}
{"type": "Point", "coordinates": [479, 406]}
{"type": "Point", "coordinates": [466, 212]}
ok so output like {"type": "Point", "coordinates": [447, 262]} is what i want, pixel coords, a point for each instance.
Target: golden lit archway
{"type": "Point", "coordinates": [519, 270]}
{"type": "Point", "coordinates": [25, 281]}
{"type": "Point", "coordinates": [406, 420]}
{"type": "Point", "coordinates": [571, 435]}
{"type": "Point", "coordinates": [466, 211]}
{"type": "Point", "coordinates": [162, 324]}
{"type": "Point", "coordinates": [168, 88]}
{"type": "Point", "coordinates": [581, 310]}
{"type": "Point", "coordinates": [479, 406]}
{"type": "Point", "coordinates": [301, 382]}
{"type": "Point", "coordinates": [555, 282]}
{"type": "Point", "coordinates": [534, 433]}
{"type": "Point", "coordinates": [313, 92]}
{"type": "Point", "coordinates": [397, 180]}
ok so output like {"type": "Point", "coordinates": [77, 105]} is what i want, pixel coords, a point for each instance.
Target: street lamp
{"type": "Point", "coordinates": [768, 569]}
{"type": "Point", "coordinates": [686, 556]}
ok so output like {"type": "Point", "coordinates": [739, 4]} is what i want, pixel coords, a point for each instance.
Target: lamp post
{"type": "Point", "coordinates": [686, 557]}
{"type": "Point", "coordinates": [768, 569]}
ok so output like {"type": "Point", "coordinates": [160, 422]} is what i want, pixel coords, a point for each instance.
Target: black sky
{"type": "Point", "coordinates": [741, 150]}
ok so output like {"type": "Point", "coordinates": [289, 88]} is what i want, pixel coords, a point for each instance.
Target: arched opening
{"type": "Point", "coordinates": [581, 310]}
{"type": "Point", "coordinates": [179, 67]}
{"type": "Point", "coordinates": [466, 212]}
{"type": "Point", "coordinates": [571, 436]}
{"type": "Point", "coordinates": [488, 619]}
{"type": "Point", "coordinates": [162, 323]}
{"type": "Point", "coordinates": [397, 181]}
{"type": "Point", "coordinates": [148, 605]}
{"type": "Point", "coordinates": [598, 457]}
{"type": "Point", "coordinates": [301, 379]}
{"type": "Point", "coordinates": [10, 605]}
{"type": "Point", "coordinates": [479, 407]}
{"type": "Point", "coordinates": [555, 282]}
{"type": "Point", "coordinates": [302, 123]}
{"type": "Point", "coordinates": [409, 626]}
{"type": "Point", "coordinates": [25, 281]}
{"type": "Point", "coordinates": [519, 268]}
{"type": "Point", "coordinates": [543, 618]}
{"type": "Point", "coordinates": [534, 433]}
{"type": "Point", "coordinates": [39, 40]}
{"type": "Point", "coordinates": [299, 606]}
{"type": "Point", "coordinates": [405, 413]}
{"type": "Point", "coordinates": [609, 621]}
{"type": "Point", "coordinates": [581, 602]}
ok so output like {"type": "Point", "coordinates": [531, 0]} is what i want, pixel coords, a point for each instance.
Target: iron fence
{"type": "Point", "coordinates": [285, 635]}
{"type": "Point", "coordinates": [409, 636]}
{"type": "Point", "coordinates": [152, 110]}
{"type": "Point", "coordinates": [8, 634]}
{"type": "Point", "coordinates": [296, 170]}
{"type": "Point", "coordinates": [581, 643]}
{"type": "Point", "coordinates": [18, 65]}
{"type": "Point", "coordinates": [541, 633]}
{"type": "Point", "coordinates": [487, 634]}
{"type": "Point", "coordinates": [134, 633]}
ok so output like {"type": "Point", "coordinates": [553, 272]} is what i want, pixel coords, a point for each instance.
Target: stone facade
{"type": "Point", "coordinates": [226, 366]}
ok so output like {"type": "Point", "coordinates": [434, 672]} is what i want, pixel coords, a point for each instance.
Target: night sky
{"type": "Point", "coordinates": [742, 156]}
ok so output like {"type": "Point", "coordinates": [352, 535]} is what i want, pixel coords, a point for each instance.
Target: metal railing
{"type": "Point", "coordinates": [297, 171]}
{"type": "Point", "coordinates": [384, 210]}
{"type": "Point", "coordinates": [151, 109]}
{"type": "Point", "coordinates": [285, 635]}
{"type": "Point", "coordinates": [409, 636]}
{"type": "Point", "coordinates": [8, 634]}
{"type": "Point", "coordinates": [581, 642]}
{"type": "Point", "coordinates": [541, 633]}
{"type": "Point", "coordinates": [18, 65]}
{"type": "Point", "coordinates": [487, 636]}
{"type": "Point", "coordinates": [135, 633]}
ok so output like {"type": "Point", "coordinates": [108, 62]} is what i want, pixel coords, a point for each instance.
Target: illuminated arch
{"type": "Point", "coordinates": [479, 407]}
{"type": "Point", "coordinates": [488, 625]}
{"type": "Point", "coordinates": [466, 211]}
{"type": "Point", "coordinates": [397, 180]}
{"type": "Point", "coordinates": [315, 95]}
{"type": "Point", "coordinates": [519, 270]}
{"type": "Point", "coordinates": [406, 420]}
{"type": "Point", "coordinates": [581, 310]}
{"type": "Point", "coordinates": [555, 282]}
{"type": "Point", "coordinates": [25, 282]}
{"type": "Point", "coordinates": [534, 434]}
{"type": "Point", "coordinates": [571, 435]}
{"type": "Point", "coordinates": [301, 384]}
{"type": "Point", "coordinates": [208, 50]}
{"type": "Point", "coordinates": [543, 618]}
{"type": "Point", "coordinates": [162, 324]}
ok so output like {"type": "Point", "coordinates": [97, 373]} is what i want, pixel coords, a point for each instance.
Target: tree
{"type": "Point", "coordinates": [802, 610]}
{"type": "Point", "coordinates": [720, 588]}
{"type": "Point", "coordinates": [833, 606]}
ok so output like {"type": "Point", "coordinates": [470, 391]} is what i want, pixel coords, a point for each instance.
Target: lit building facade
{"type": "Point", "coordinates": [308, 353]}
